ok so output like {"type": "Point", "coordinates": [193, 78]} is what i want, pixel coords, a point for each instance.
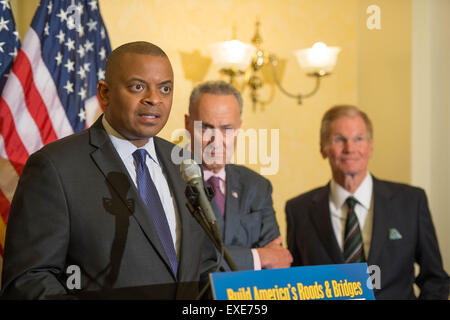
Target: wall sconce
{"type": "Point", "coordinates": [232, 56]}
{"type": "Point", "coordinates": [236, 58]}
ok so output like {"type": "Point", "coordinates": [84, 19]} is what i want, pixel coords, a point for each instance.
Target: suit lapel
{"type": "Point", "coordinates": [232, 197]}
{"type": "Point", "coordinates": [320, 216]}
{"type": "Point", "coordinates": [380, 220]}
{"type": "Point", "coordinates": [112, 167]}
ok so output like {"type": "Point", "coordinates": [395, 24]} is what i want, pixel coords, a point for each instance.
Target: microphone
{"type": "Point", "coordinates": [192, 174]}
{"type": "Point", "coordinates": [200, 208]}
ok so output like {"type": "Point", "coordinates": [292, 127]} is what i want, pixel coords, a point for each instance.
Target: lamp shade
{"type": "Point", "coordinates": [319, 59]}
{"type": "Point", "coordinates": [232, 54]}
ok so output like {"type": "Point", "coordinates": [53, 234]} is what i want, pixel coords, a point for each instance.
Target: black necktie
{"type": "Point", "coordinates": [150, 196]}
{"type": "Point", "coordinates": [353, 245]}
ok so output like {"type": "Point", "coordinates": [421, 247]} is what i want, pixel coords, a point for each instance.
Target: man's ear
{"type": "Point", "coordinates": [370, 148]}
{"type": "Point", "coordinates": [324, 151]}
{"type": "Point", "coordinates": [187, 122]}
{"type": "Point", "coordinates": [103, 92]}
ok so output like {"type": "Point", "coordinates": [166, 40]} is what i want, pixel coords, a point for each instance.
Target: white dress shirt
{"type": "Point", "coordinates": [222, 176]}
{"type": "Point", "coordinates": [363, 210]}
{"type": "Point", "coordinates": [125, 150]}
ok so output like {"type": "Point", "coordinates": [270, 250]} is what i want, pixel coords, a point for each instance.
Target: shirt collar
{"type": "Point", "coordinates": [208, 174]}
{"type": "Point", "coordinates": [124, 147]}
{"type": "Point", "coordinates": [363, 194]}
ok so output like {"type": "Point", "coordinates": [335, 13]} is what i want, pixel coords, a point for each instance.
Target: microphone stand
{"type": "Point", "coordinates": [211, 229]}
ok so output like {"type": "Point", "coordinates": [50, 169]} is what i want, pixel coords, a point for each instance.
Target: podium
{"type": "Point", "coordinates": [326, 282]}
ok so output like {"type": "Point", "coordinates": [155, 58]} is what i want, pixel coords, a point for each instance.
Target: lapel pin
{"type": "Point", "coordinates": [394, 234]}
{"type": "Point", "coordinates": [234, 194]}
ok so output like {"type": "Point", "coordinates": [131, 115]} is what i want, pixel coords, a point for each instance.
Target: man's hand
{"type": "Point", "coordinates": [274, 256]}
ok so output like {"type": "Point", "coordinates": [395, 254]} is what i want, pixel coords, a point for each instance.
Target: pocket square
{"type": "Point", "coordinates": [394, 234]}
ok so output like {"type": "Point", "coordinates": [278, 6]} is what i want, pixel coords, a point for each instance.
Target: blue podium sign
{"type": "Point", "coordinates": [326, 282]}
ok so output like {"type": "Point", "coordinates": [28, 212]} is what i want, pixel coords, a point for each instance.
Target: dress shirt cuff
{"type": "Point", "coordinates": [256, 260]}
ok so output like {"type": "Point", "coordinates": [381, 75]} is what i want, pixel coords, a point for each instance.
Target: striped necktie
{"type": "Point", "coordinates": [150, 196]}
{"type": "Point", "coordinates": [353, 245]}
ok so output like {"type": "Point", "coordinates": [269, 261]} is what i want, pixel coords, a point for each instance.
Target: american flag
{"type": "Point", "coordinates": [51, 90]}
{"type": "Point", "coordinates": [9, 41]}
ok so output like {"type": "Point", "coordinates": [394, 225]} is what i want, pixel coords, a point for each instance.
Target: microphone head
{"type": "Point", "coordinates": [190, 170]}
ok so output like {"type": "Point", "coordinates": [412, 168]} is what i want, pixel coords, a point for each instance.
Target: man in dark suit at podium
{"type": "Point", "coordinates": [109, 201]}
{"type": "Point", "coordinates": [243, 198]}
{"type": "Point", "coordinates": [359, 218]}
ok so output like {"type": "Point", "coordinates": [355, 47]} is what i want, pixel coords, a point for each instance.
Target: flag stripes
{"type": "Point", "coordinates": [50, 90]}
{"type": "Point", "coordinates": [34, 103]}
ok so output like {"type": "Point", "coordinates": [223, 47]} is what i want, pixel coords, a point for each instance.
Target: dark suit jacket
{"type": "Point", "coordinates": [250, 220]}
{"type": "Point", "coordinates": [312, 241]}
{"type": "Point", "coordinates": [75, 204]}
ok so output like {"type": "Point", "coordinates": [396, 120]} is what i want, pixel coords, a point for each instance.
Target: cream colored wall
{"type": "Point", "coordinates": [384, 86]}
{"type": "Point", "coordinates": [430, 112]}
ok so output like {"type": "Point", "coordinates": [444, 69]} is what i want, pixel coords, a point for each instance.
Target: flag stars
{"type": "Point", "coordinates": [49, 7]}
{"type": "Point", "coordinates": [60, 36]}
{"type": "Point", "coordinates": [89, 46]}
{"type": "Point", "coordinates": [80, 30]}
{"type": "Point", "coordinates": [46, 28]}
{"type": "Point", "coordinates": [73, 53]}
{"type": "Point", "coordinates": [102, 53]}
{"type": "Point", "coordinates": [92, 25]}
{"type": "Point", "coordinates": [69, 87]}
{"type": "Point", "coordinates": [81, 51]}
{"type": "Point", "coordinates": [70, 44]}
{"type": "Point", "coordinates": [69, 65]}
{"type": "Point", "coordinates": [93, 5]}
{"type": "Point", "coordinates": [58, 59]}
{"type": "Point", "coordinates": [14, 52]}
{"type": "Point", "coordinates": [101, 74]}
{"type": "Point", "coordinates": [80, 8]}
{"type": "Point", "coordinates": [71, 23]}
{"type": "Point", "coordinates": [82, 93]}
{"type": "Point", "coordinates": [62, 15]}
{"type": "Point", "coordinates": [82, 115]}
{"type": "Point", "coordinates": [3, 24]}
{"type": "Point", "coordinates": [82, 73]}
{"type": "Point", "coordinates": [5, 4]}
